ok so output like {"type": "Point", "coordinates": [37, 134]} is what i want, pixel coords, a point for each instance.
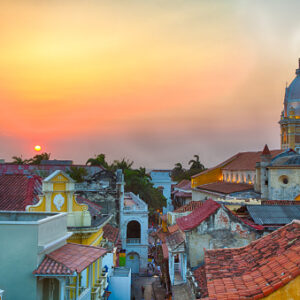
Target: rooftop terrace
{"type": "Point", "coordinates": [22, 216]}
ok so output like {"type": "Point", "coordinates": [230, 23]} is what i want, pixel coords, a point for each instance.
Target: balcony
{"type": "Point", "coordinates": [70, 293]}
{"type": "Point", "coordinates": [133, 241]}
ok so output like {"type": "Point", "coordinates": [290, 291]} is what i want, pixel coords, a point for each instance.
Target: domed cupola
{"type": "Point", "coordinates": [290, 118]}
{"type": "Point", "coordinates": [292, 95]}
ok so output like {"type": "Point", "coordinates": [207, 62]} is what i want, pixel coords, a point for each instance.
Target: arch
{"type": "Point", "coordinates": [283, 179]}
{"type": "Point", "coordinates": [133, 232]}
{"type": "Point", "coordinates": [133, 262]}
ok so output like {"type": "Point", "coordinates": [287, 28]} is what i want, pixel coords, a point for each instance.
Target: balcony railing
{"type": "Point", "coordinates": [133, 241]}
{"type": "Point", "coordinates": [70, 293]}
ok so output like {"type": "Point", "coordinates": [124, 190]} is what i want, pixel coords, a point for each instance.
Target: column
{"type": "Point", "coordinates": [62, 284]}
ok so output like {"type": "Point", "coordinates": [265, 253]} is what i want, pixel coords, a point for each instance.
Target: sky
{"type": "Point", "coordinates": [153, 81]}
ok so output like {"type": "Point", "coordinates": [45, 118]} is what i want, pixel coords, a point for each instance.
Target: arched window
{"type": "Point", "coordinates": [133, 232]}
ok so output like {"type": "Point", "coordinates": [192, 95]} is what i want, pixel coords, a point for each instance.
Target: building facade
{"type": "Point", "coordinates": [134, 231]}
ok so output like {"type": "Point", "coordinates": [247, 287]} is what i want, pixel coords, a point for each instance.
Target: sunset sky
{"type": "Point", "coordinates": [153, 81]}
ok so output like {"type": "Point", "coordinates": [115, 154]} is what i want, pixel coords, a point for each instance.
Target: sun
{"type": "Point", "coordinates": [37, 148]}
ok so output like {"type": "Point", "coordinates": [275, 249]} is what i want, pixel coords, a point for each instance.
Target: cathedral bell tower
{"type": "Point", "coordinates": [290, 116]}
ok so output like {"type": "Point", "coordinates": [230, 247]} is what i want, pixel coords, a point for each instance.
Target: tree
{"type": "Point", "coordinates": [124, 164]}
{"type": "Point", "coordinates": [195, 163]}
{"type": "Point", "coordinates": [37, 159]}
{"type": "Point", "coordinates": [77, 173]}
{"type": "Point", "coordinates": [98, 160]}
{"type": "Point", "coordinates": [19, 160]}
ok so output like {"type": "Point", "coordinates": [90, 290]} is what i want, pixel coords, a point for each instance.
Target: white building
{"type": "Point", "coordinates": [134, 231]}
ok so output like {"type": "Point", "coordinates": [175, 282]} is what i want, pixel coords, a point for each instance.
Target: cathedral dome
{"type": "Point", "coordinates": [292, 95]}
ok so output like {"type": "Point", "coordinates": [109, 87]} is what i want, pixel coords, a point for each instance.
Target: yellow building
{"type": "Point", "coordinates": [84, 218]}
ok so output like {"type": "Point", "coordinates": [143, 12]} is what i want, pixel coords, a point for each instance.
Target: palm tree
{"type": "Point", "coordinates": [196, 164]}
{"type": "Point", "coordinates": [37, 159]}
{"type": "Point", "coordinates": [98, 160]}
{"type": "Point", "coordinates": [124, 164]}
{"type": "Point", "coordinates": [19, 160]}
{"type": "Point", "coordinates": [77, 173]}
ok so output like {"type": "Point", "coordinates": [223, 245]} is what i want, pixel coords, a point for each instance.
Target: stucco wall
{"type": "Point", "coordinates": [220, 230]}
{"type": "Point", "coordinates": [18, 259]}
{"type": "Point", "coordinates": [280, 191]}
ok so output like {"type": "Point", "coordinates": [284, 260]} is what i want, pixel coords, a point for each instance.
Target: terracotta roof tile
{"type": "Point", "coordinates": [192, 205]}
{"type": "Point", "coordinates": [225, 187]}
{"type": "Point", "coordinates": [184, 184]}
{"type": "Point", "coordinates": [195, 218]}
{"type": "Point", "coordinates": [111, 233]}
{"type": "Point", "coordinates": [68, 259]}
{"type": "Point", "coordinates": [182, 194]}
{"type": "Point", "coordinates": [256, 270]}
{"type": "Point", "coordinates": [266, 150]}
{"type": "Point", "coordinates": [175, 239]}
{"type": "Point", "coordinates": [247, 160]}
{"type": "Point", "coordinates": [200, 277]}
{"type": "Point", "coordinates": [161, 235]}
{"type": "Point", "coordinates": [173, 228]}
{"type": "Point", "coordinates": [18, 191]}
{"type": "Point", "coordinates": [94, 208]}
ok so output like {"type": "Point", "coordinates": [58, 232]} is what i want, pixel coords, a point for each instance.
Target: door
{"type": "Point", "coordinates": [133, 262]}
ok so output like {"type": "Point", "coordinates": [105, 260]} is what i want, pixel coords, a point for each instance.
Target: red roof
{"type": "Point", "coordinates": [266, 150]}
{"type": "Point", "coordinates": [247, 160]}
{"type": "Point", "coordinates": [200, 277]}
{"type": "Point", "coordinates": [184, 184]}
{"type": "Point", "coordinates": [224, 187]}
{"type": "Point", "coordinates": [94, 208]}
{"type": "Point", "coordinates": [110, 233]}
{"type": "Point", "coordinates": [161, 235]}
{"type": "Point", "coordinates": [256, 270]}
{"type": "Point", "coordinates": [68, 259]}
{"type": "Point", "coordinates": [192, 205]}
{"type": "Point", "coordinates": [280, 202]}
{"type": "Point", "coordinates": [18, 191]}
{"type": "Point", "coordinates": [173, 228]}
{"type": "Point", "coordinates": [182, 194]}
{"type": "Point", "coordinates": [200, 214]}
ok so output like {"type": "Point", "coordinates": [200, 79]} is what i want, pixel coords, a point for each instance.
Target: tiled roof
{"type": "Point", "coordinates": [175, 239]}
{"type": "Point", "coordinates": [280, 202]}
{"type": "Point", "coordinates": [200, 277]}
{"type": "Point", "coordinates": [165, 250]}
{"type": "Point", "coordinates": [189, 207]}
{"type": "Point", "coordinates": [256, 270]}
{"type": "Point", "coordinates": [184, 184]}
{"type": "Point", "coordinates": [173, 228]}
{"type": "Point", "coordinates": [241, 161]}
{"type": "Point", "coordinates": [225, 187]}
{"type": "Point", "coordinates": [111, 233]}
{"type": "Point", "coordinates": [266, 150]}
{"type": "Point", "coordinates": [161, 235]}
{"type": "Point", "coordinates": [196, 217]}
{"type": "Point", "coordinates": [18, 191]}
{"type": "Point", "coordinates": [68, 259]}
{"type": "Point", "coordinates": [94, 208]}
{"type": "Point", "coordinates": [247, 160]}
{"type": "Point", "coordinates": [182, 194]}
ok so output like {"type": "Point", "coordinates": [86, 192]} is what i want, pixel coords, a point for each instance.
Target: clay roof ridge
{"type": "Point", "coordinates": [59, 262]}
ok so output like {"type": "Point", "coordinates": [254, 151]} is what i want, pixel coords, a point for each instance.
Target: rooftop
{"type": "Point", "coordinates": [18, 191]}
{"type": "Point", "coordinates": [274, 214]}
{"type": "Point", "coordinates": [192, 205]}
{"type": "Point", "coordinates": [183, 185]}
{"type": "Point", "coordinates": [134, 202]}
{"type": "Point", "coordinates": [196, 217]}
{"type": "Point", "coordinates": [224, 187]}
{"type": "Point", "coordinates": [256, 270]}
{"type": "Point", "coordinates": [120, 272]}
{"type": "Point", "coordinates": [68, 259]}
{"type": "Point", "coordinates": [110, 233]}
{"type": "Point", "coordinates": [24, 216]}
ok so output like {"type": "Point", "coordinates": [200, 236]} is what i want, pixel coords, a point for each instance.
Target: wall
{"type": "Point", "coordinates": [120, 287]}
{"type": "Point", "coordinates": [201, 195]}
{"type": "Point", "coordinates": [18, 259]}
{"type": "Point", "coordinates": [280, 191]}
{"type": "Point", "coordinates": [208, 176]}
{"type": "Point", "coordinates": [220, 230]}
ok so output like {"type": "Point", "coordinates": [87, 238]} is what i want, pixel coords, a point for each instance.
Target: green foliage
{"type": "Point", "coordinates": [179, 173]}
{"type": "Point", "coordinates": [77, 173]}
{"type": "Point", "coordinates": [136, 180]}
{"type": "Point", "coordinates": [36, 160]}
{"type": "Point", "coordinates": [98, 160]}
{"type": "Point", "coordinates": [19, 160]}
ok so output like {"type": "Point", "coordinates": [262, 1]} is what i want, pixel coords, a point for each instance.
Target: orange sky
{"type": "Point", "coordinates": [155, 81]}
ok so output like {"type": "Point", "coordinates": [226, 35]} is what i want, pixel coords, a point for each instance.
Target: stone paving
{"type": "Point", "coordinates": [182, 292]}
{"type": "Point", "coordinates": [136, 287]}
